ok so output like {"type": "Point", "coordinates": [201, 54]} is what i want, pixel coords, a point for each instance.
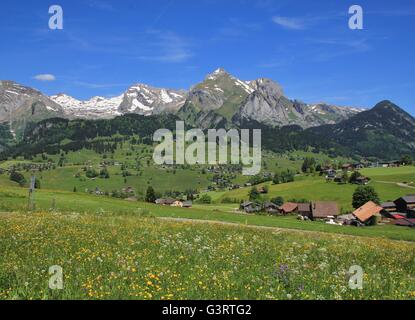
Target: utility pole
{"type": "Point", "coordinates": [31, 204]}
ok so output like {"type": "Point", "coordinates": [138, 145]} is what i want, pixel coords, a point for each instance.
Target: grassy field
{"type": "Point", "coordinates": [125, 257]}
{"type": "Point", "coordinates": [14, 199]}
{"type": "Point", "coordinates": [314, 187]}
{"type": "Point", "coordinates": [118, 249]}
{"type": "Point", "coordinates": [139, 163]}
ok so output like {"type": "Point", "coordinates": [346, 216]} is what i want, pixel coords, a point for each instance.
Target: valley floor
{"type": "Point", "coordinates": [118, 249]}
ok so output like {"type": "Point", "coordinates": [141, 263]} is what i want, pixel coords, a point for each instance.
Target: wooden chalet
{"type": "Point", "coordinates": [389, 206]}
{"type": "Point", "coordinates": [289, 208]}
{"type": "Point", "coordinates": [271, 208]}
{"type": "Point", "coordinates": [324, 209]}
{"type": "Point", "coordinates": [406, 204]}
{"type": "Point", "coordinates": [368, 212]}
{"type": "Point", "coordinates": [165, 202]}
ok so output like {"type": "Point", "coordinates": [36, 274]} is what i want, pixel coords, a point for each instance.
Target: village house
{"type": "Point", "coordinates": [324, 210]}
{"type": "Point", "coordinates": [289, 208]}
{"type": "Point", "coordinates": [359, 165]}
{"type": "Point", "coordinates": [249, 207]}
{"type": "Point", "coordinates": [165, 202]}
{"type": "Point", "coordinates": [187, 204]}
{"type": "Point", "coordinates": [390, 164]}
{"type": "Point", "coordinates": [406, 205]}
{"type": "Point", "coordinates": [362, 180]}
{"type": "Point", "coordinates": [331, 174]}
{"type": "Point", "coordinates": [177, 203]}
{"type": "Point", "coordinates": [389, 206]}
{"type": "Point", "coordinates": [271, 208]}
{"type": "Point", "coordinates": [347, 167]}
{"type": "Point", "coordinates": [368, 213]}
{"type": "Point", "coordinates": [263, 190]}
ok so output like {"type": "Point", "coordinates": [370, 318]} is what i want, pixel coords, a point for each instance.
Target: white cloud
{"type": "Point", "coordinates": [167, 47]}
{"type": "Point", "coordinates": [45, 77]}
{"type": "Point", "coordinates": [289, 23]}
{"type": "Point", "coordinates": [99, 85]}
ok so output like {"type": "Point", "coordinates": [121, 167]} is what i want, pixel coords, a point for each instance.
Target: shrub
{"type": "Point", "coordinates": [364, 194]}
{"type": "Point", "coordinates": [18, 177]}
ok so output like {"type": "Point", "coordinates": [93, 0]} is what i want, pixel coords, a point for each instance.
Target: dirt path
{"type": "Point", "coordinates": [402, 185]}
{"type": "Point", "coordinates": [274, 229]}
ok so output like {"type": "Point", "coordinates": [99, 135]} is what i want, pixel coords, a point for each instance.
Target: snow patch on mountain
{"type": "Point", "coordinates": [96, 107]}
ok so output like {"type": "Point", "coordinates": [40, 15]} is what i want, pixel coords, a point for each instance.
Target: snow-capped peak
{"type": "Point", "coordinates": [139, 98]}
{"type": "Point", "coordinates": [96, 107]}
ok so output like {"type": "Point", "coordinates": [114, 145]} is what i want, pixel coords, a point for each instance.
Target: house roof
{"type": "Point", "coordinates": [270, 205]}
{"type": "Point", "coordinates": [367, 211]}
{"type": "Point", "coordinates": [289, 207]}
{"type": "Point", "coordinates": [324, 209]}
{"type": "Point", "coordinates": [304, 207]}
{"type": "Point", "coordinates": [398, 216]}
{"type": "Point", "coordinates": [165, 201]}
{"type": "Point", "coordinates": [246, 204]}
{"type": "Point", "coordinates": [388, 205]}
{"type": "Point", "coordinates": [187, 204]}
{"type": "Point", "coordinates": [408, 199]}
{"type": "Point", "coordinates": [404, 222]}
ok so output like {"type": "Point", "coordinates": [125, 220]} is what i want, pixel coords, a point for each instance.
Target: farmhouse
{"type": "Point", "coordinates": [347, 167]}
{"type": "Point", "coordinates": [271, 208]}
{"type": "Point", "coordinates": [250, 207]}
{"type": "Point", "coordinates": [324, 210]}
{"type": "Point", "coordinates": [165, 202]}
{"type": "Point", "coordinates": [187, 204]}
{"type": "Point", "coordinates": [288, 208]}
{"type": "Point", "coordinates": [406, 204]}
{"type": "Point", "coordinates": [177, 203]}
{"type": "Point", "coordinates": [330, 174]}
{"type": "Point", "coordinates": [368, 212]}
{"type": "Point", "coordinates": [389, 206]}
{"type": "Point", "coordinates": [362, 180]}
{"type": "Point", "coordinates": [390, 164]}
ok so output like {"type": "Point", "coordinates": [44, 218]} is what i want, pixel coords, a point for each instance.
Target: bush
{"type": "Point", "coordinates": [151, 195]}
{"type": "Point", "coordinates": [104, 174]}
{"type": "Point", "coordinates": [91, 173]}
{"type": "Point", "coordinates": [205, 199]}
{"type": "Point", "coordinates": [364, 194]}
{"type": "Point", "coordinates": [18, 177]}
{"type": "Point", "coordinates": [254, 194]}
{"type": "Point", "coordinates": [279, 201]}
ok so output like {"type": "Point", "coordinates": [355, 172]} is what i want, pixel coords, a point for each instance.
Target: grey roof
{"type": "Point", "coordinates": [270, 205]}
{"type": "Point", "coordinates": [388, 205]}
{"type": "Point", "coordinates": [409, 199]}
{"type": "Point", "coordinates": [246, 204]}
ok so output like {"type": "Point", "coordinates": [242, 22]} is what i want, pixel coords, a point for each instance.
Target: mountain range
{"type": "Point", "coordinates": [219, 101]}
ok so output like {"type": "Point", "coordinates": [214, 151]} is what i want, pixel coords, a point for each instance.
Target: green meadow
{"type": "Point", "coordinates": [313, 187]}
{"type": "Point", "coordinates": [127, 257]}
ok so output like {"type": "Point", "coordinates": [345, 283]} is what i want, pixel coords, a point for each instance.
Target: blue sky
{"type": "Point", "coordinates": [306, 46]}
